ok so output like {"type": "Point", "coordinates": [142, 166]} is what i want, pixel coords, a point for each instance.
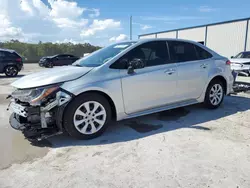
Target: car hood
{"type": "Point", "coordinates": [240, 60]}
{"type": "Point", "coordinates": [51, 76]}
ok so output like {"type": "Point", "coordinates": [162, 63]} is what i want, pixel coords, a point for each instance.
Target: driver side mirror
{"type": "Point", "coordinates": [135, 64]}
{"type": "Point", "coordinates": [232, 57]}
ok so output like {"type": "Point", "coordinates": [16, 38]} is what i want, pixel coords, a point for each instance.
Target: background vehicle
{"type": "Point", "coordinates": [57, 60]}
{"type": "Point", "coordinates": [241, 63]}
{"type": "Point", "coordinates": [121, 81]}
{"type": "Point", "coordinates": [10, 62]}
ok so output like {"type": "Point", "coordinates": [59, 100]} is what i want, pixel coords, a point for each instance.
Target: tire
{"type": "Point", "coordinates": [214, 97]}
{"type": "Point", "coordinates": [11, 71]}
{"type": "Point", "coordinates": [50, 65]}
{"type": "Point", "coordinates": [77, 113]}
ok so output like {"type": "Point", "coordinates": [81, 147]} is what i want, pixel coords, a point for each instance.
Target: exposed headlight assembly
{"type": "Point", "coordinates": [34, 96]}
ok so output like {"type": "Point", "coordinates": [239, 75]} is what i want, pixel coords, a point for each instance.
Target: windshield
{"type": "Point", "coordinates": [238, 56]}
{"type": "Point", "coordinates": [103, 55]}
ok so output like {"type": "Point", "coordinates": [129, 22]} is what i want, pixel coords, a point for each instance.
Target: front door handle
{"type": "Point", "coordinates": [170, 71]}
{"type": "Point", "coordinates": [204, 66]}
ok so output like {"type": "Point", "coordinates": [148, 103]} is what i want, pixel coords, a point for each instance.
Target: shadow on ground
{"type": "Point", "coordinates": [17, 76]}
{"type": "Point", "coordinates": [189, 117]}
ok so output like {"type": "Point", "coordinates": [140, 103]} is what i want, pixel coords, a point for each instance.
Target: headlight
{"type": "Point", "coordinates": [34, 96]}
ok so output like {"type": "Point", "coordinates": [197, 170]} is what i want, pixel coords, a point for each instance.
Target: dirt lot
{"type": "Point", "coordinates": [188, 147]}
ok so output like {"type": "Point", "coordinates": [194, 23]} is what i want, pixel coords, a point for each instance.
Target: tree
{"type": "Point", "coordinates": [33, 52]}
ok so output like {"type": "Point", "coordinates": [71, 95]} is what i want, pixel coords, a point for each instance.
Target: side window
{"type": "Point", "coordinates": [60, 57]}
{"type": "Point", "coordinates": [202, 54]}
{"type": "Point", "coordinates": [152, 53]}
{"type": "Point", "coordinates": [247, 55]}
{"type": "Point", "coordinates": [2, 54]}
{"type": "Point", "coordinates": [182, 51]}
{"type": "Point", "coordinates": [12, 55]}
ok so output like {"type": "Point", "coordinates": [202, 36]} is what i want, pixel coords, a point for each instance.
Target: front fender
{"type": "Point", "coordinates": [112, 88]}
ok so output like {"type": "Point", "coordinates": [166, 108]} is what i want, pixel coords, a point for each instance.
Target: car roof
{"type": "Point", "coordinates": [160, 39]}
{"type": "Point", "coordinates": [7, 50]}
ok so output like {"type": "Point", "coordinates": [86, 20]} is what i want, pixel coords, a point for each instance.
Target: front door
{"type": "Point", "coordinates": [152, 86]}
{"type": "Point", "coordinates": [192, 64]}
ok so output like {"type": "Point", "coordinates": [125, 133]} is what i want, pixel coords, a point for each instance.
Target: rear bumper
{"type": "Point", "coordinates": [20, 66]}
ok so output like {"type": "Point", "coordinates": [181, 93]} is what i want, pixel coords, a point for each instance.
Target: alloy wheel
{"type": "Point", "coordinates": [89, 117]}
{"type": "Point", "coordinates": [216, 94]}
{"type": "Point", "coordinates": [11, 71]}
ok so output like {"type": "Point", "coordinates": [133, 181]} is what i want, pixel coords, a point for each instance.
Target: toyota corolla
{"type": "Point", "coordinates": [121, 81]}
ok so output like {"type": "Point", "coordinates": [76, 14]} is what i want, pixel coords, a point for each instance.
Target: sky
{"type": "Point", "coordinates": [102, 22]}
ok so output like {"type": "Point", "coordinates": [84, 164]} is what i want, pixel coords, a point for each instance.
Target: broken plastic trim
{"type": "Point", "coordinates": [61, 98]}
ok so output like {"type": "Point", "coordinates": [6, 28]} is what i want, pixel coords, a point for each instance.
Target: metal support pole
{"type": "Point", "coordinates": [245, 46]}
{"type": "Point", "coordinates": [130, 27]}
{"type": "Point", "coordinates": [206, 36]}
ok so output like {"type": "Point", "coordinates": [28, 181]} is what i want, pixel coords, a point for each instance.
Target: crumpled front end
{"type": "Point", "coordinates": [38, 112]}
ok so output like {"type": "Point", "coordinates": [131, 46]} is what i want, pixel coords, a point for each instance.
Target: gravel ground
{"type": "Point", "coordinates": [188, 147]}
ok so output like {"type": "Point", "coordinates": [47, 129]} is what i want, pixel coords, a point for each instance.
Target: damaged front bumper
{"type": "Point", "coordinates": [41, 121]}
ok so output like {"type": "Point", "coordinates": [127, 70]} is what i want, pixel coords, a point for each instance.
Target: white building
{"type": "Point", "coordinates": [226, 38]}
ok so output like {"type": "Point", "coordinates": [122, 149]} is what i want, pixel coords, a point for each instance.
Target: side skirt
{"type": "Point", "coordinates": [162, 108]}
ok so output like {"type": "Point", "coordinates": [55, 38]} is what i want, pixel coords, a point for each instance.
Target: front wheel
{"type": "Point", "coordinates": [214, 94]}
{"type": "Point", "coordinates": [87, 116]}
{"type": "Point", "coordinates": [11, 71]}
{"type": "Point", "coordinates": [50, 65]}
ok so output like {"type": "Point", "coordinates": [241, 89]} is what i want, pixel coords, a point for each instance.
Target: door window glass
{"type": "Point", "coordinates": [246, 55]}
{"type": "Point", "coordinates": [182, 51]}
{"type": "Point", "coordinates": [202, 54]}
{"type": "Point", "coordinates": [2, 54]}
{"type": "Point", "coordinates": [152, 53]}
{"type": "Point", "coordinates": [12, 54]}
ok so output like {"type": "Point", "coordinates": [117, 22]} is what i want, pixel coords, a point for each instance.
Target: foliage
{"type": "Point", "coordinates": [33, 52]}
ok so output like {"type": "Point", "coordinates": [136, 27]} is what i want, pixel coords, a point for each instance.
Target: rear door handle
{"type": "Point", "coordinates": [204, 66]}
{"type": "Point", "coordinates": [170, 71]}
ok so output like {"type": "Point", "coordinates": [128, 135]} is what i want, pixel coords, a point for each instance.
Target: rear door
{"type": "Point", "coordinates": [193, 64]}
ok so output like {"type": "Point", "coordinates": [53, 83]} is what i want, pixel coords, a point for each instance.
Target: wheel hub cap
{"type": "Point", "coordinates": [216, 94]}
{"type": "Point", "coordinates": [89, 117]}
{"type": "Point", "coordinates": [11, 71]}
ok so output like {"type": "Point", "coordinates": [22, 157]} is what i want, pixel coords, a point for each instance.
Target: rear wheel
{"type": "Point", "coordinates": [11, 71]}
{"type": "Point", "coordinates": [87, 116]}
{"type": "Point", "coordinates": [214, 94]}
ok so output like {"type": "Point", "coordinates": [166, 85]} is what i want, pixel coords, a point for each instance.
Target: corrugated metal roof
{"type": "Point", "coordinates": [217, 23]}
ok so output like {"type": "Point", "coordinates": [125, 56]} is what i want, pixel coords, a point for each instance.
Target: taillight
{"type": "Point", "coordinates": [228, 62]}
{"type": "Point", "coordinates": [19, 59]}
